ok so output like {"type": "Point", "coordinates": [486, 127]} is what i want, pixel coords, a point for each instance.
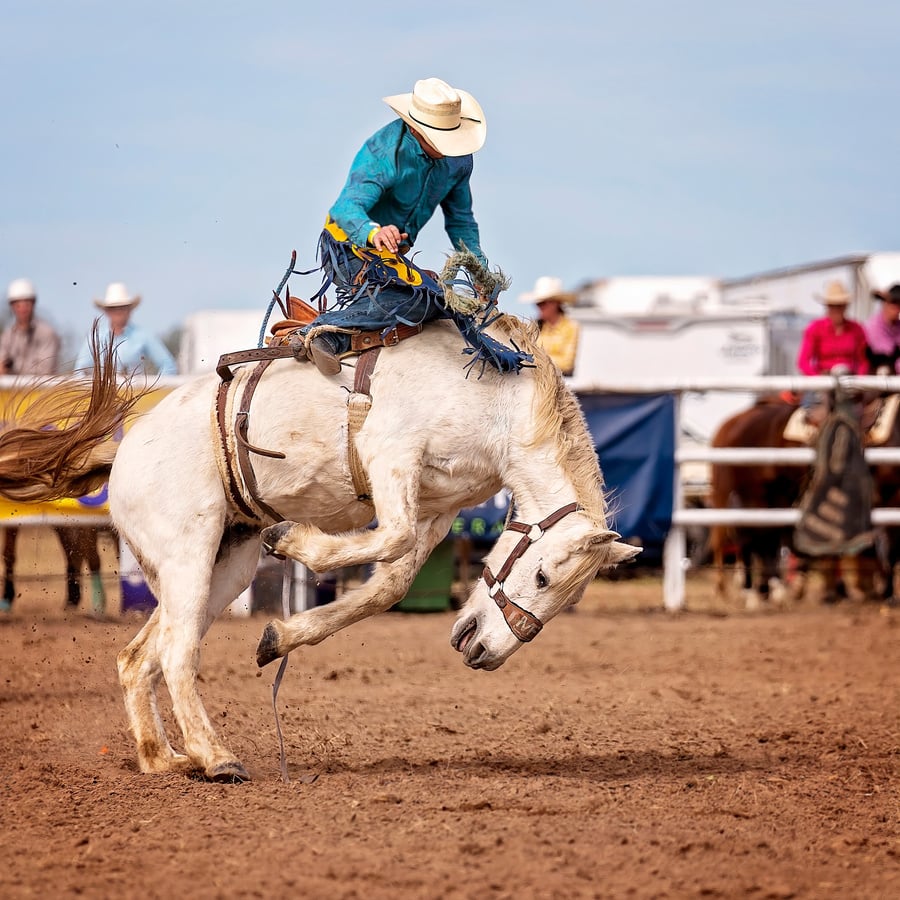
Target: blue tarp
{"type": "Point", "coordinates": [634, 436]}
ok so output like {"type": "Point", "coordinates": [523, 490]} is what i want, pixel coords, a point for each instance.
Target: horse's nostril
{"type": "Point", "coordinates": [466, 635]}
{"type": "Point", "coordinates": [476, 655]}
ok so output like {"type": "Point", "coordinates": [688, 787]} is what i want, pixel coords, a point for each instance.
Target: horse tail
{"type": "Point", "coordinates": [59, 441]}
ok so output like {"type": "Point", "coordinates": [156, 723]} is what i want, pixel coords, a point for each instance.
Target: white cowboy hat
{"type": "Point", "coordinates": [835, 294]}
{"type": "Point", "coordinates": [547, 288]}
{"type": "Point", "coordinates": [117, 296]}
{"type": "Point", "coordinates": [450, 120]}
{"type": "Point", "coordinates": [21, 289]}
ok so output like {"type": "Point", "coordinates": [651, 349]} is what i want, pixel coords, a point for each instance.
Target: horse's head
{"type": "Point", "coordinates": [532, 573]}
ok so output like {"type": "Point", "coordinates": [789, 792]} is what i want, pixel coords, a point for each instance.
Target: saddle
{"type": "Point", "coordinates": [875, 414]}
{"type": "Point", "coordinates": [231, 414]}
{"type": "Point", "coordinates": [285, 340]}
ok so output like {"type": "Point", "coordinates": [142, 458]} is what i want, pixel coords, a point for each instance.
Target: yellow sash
{"type": "Point", "coordinates": [405, 273]}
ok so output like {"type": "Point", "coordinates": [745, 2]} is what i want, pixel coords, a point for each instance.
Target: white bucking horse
{"type": "Point", "coordinates": [432, 442]}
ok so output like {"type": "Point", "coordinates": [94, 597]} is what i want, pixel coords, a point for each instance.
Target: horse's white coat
{"type": "Point", "coordinates": [434, 441]}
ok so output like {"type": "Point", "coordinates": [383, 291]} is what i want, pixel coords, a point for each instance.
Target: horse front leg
{"type": "Point", "coordinates": [387, 586]}
{"type": "Point", "coordinates": [395, 485]}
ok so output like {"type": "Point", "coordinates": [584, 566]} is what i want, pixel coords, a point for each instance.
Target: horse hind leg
{"type": "Point", "coordinates": [753, 596]}
{"type": "Point", "coordinates": [189, 601]}
{"type": "Point", "coordinates": [139, 674]}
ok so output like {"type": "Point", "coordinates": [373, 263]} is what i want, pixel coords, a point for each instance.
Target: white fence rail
{"type": "Point", "coordinates": [675, 560]}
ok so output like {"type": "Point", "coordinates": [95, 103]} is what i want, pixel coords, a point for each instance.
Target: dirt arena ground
{"type": "Point", "coordinates": [626, 753]}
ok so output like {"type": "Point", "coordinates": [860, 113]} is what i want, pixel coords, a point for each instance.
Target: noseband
{"type": "Point", "coordinates": [523, 624]}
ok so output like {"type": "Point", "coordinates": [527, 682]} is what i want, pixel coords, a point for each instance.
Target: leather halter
{"type": "Point", "coordinates": [523, 624]}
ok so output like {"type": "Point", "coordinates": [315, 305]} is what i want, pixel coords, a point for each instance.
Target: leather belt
{"type": "Point", "coordinates": [389, 337]}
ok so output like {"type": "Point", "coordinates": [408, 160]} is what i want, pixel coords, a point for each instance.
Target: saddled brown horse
{"type": "Point", "coordinates": [772, 486]}
{"type": "Point", "coordinates": [754, 487]}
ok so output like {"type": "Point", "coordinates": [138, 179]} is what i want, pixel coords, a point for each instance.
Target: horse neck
{"type": "Point", "coordinates": [538, 484]}
{"type": "Point", "coordinates": [532, 470]}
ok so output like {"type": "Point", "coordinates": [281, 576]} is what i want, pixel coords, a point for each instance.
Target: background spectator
{"type": "Point", "coordinates": [137, 351]}
{"type": "Point", "coordinates": [559, 333]}
{"type": "Point", "coordinates": [28, 345]}
{"type": "Point", "coordinates": [883, 331]}
{"type": "Point", "coordinates": [833, 340]}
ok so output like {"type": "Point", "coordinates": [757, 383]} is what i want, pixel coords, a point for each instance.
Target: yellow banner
{"type": "Point", "coordinates": [90, 507]}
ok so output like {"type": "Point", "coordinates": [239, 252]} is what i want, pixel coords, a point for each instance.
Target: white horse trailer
{"type": "Point", "coordinates": [210, 333]}
{"type": "Point", "coordinates": [641, 330]}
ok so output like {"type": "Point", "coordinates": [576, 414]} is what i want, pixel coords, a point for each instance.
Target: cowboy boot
{"type": "Point", "coordinates": [9, 592]}
{"type": "Point", "coordinates": [98, 596]}
{"type": "Point", "coordinates": [324, 355]}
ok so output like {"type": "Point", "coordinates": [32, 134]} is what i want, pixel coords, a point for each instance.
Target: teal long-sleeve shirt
{"type": "Point", "coordinates": [392, 181]}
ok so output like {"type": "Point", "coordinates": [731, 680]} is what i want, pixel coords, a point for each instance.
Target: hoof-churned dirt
{"type": "Point", "coordinates": [626, 752]}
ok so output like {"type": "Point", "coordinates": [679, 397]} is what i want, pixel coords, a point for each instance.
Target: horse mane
{"type": "Point", "coordinates": [558, 417]}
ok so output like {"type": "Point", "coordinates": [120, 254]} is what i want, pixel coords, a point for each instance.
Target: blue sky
{"type": "Point", "coordinates": [187, 148]}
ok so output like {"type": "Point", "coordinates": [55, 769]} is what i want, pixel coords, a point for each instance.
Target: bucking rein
{"type": "Point", "coordinates": [236, 468]}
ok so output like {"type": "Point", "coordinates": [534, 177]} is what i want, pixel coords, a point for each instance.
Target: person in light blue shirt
{"type": "Point", "coordinates": [137, 351]}
{"type": "Point", "coordinates": [402, 174]}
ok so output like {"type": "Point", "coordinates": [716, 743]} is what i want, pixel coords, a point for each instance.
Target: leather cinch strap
{"type": "Point", "coordinates": [389, 337]}
{"type": "Point", "coordinates": [358, 404]}
{"type": "Point", "coordinates": [233, 453]}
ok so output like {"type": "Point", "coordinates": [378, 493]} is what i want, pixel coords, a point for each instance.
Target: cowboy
{"type": "Point", "coordinates": [28, 345]}
{"type": "Point", "coordinates": [402, 174]}
{"type": "Point", "coordinates": [559, 333]}
{"type": "Point", "coordinates": [883, 332]}
{"type": "Point", "coordinates": [134, 346]}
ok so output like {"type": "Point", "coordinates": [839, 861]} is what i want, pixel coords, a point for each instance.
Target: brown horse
{"type": "Point", "coordinates": [754, 487]}
{"type": "Point", "coordinates": [886, 477]}
{"type": "Point", "coordinates": [772, 486]}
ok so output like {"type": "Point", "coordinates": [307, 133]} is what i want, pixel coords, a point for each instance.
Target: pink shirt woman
{"type": "Point", "coordinates": [833, 340]}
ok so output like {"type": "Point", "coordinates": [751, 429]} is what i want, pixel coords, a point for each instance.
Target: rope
{"type": "Point", "coordinates": [286, 612]}
{"type": "Point", "coordinates": [261, 341]}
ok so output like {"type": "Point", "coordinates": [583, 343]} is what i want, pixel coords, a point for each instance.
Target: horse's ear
{"type": "Point", "coordinates": [614, 551]}
{"type": "Point", "coordinates": [603, 537]}
{"type": "Point", "coordinates": [619, 553]}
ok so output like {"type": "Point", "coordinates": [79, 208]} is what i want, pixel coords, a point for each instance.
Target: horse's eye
{"type": "Point", "coordinates": [541, 580]}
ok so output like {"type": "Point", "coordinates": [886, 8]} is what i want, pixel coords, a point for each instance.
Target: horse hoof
{"type": "Point", "coordinates": [267, 649]}
{"type": "Point", "coordinates": [272, 535]}
{"type": "Point", "coordinates": [228, 773]}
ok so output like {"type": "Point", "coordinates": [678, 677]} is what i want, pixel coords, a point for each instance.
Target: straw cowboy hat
{"type": "Point", "coordinates": [835, 294]}
{"type": "Point", "coordinates": [117, 296]}
{"type": "Point", "coordinates": [547, 288]}
{"type": "Point", "coordinates": [450, 120]}
{"type": "Point", "coordinates": [891, 295]}
{"type": "Point", "coordinates": [21, 289]}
